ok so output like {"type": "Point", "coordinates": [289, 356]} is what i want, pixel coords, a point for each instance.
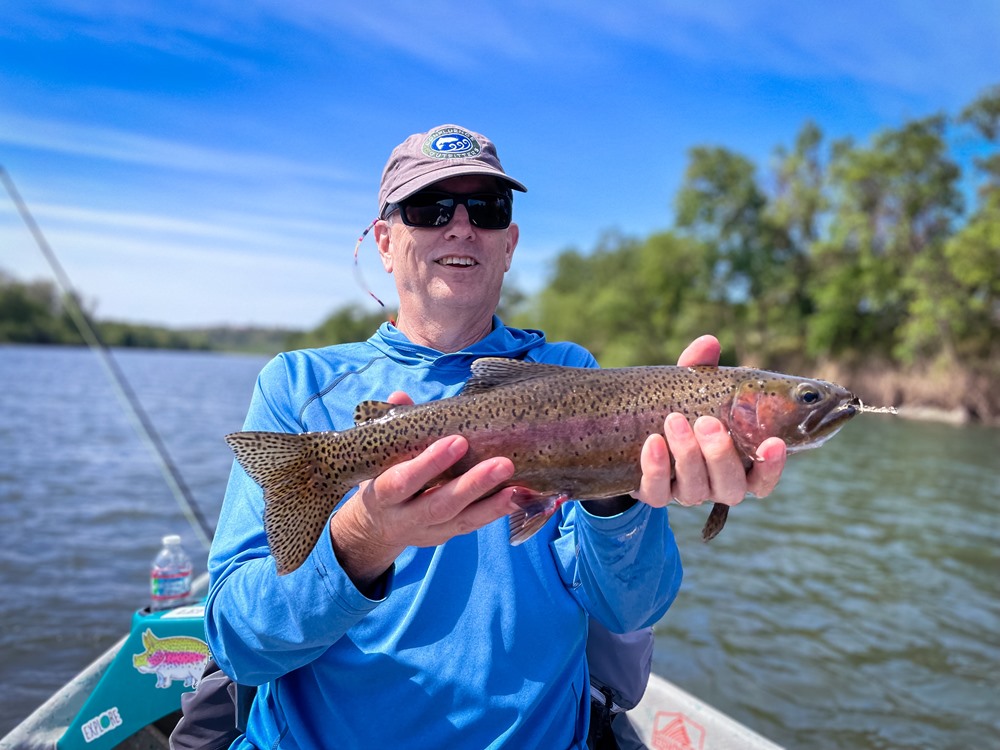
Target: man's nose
{"type": "Point", "coordinates": [460, 223]}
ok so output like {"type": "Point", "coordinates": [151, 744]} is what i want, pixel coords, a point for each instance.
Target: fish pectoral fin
{"type": "Point", "coordinates": [716, 520]}
{"type": "Point", "coordinates": [535, 511]}
{"type": "Point", "coordinates": [368, 410]}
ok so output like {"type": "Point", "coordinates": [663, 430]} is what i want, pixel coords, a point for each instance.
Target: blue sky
{"type": "Point", "coordinates": [195, 163]}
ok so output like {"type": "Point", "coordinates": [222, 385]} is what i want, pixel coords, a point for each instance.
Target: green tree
{"type": "Point", "coordinates": [794, 216]}
{"type": "Point", "coordinates": [630, 302]}
{"type": "Point", "coordinates": [880, 280]}
{"type": "Point", "coordinates": [755, 248]}
{"type": "Point", "coordinates": [593, 298]}
{"type": "Point", "coordinates": [33, 313]}
{"type": "Point", "coordinates": [973, 253]}
{"type": "Point", "coordinates": [343, 325]}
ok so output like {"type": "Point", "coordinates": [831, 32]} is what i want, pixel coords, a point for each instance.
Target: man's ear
{"type": "Point", "coordinates": [381, 233]}
{"type": "Point", "coordinates": [513, 234]}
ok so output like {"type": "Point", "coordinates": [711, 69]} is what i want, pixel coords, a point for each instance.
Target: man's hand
{"type": "Point", "coordinates": [706, 463]}
{"type": "Point", "coordinates": [390, 513]}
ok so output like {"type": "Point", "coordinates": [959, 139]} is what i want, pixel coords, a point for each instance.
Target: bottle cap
{"type": "Point", "coordinates": [171, 539]}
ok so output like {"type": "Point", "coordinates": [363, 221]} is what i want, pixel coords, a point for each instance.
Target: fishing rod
{"type": "Point", "coordinates": [133, 407]}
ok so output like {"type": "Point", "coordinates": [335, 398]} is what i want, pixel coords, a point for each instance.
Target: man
{"type": "Point", "coordinates": [414, 623]}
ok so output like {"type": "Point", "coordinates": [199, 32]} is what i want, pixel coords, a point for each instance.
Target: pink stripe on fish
{"type": "Point", "coordinates": [172, 658]}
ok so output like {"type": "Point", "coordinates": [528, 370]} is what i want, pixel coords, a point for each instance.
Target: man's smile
{"type": "Point", "coordinates": [455, 260]}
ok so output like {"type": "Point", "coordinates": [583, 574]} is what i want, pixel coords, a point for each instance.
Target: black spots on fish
{"type": "Point", "coordinates": [369, 410]}
{"type": "Point", "coordinates": [303, 477]}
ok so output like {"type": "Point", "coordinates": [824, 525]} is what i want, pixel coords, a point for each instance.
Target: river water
{"type": "Point", "coordinates": [857, 607]}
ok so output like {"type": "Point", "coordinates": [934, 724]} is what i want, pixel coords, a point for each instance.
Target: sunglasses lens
{"type": "Point", "coordinates": [486, 211]}
{"type": "Point", "coordinates": [428, 210]}
{"type": "Point", "coordinates": [489, 211]}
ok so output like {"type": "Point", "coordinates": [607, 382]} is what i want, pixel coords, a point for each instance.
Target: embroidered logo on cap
{"type": "Point", "coordinates": [451, 143]}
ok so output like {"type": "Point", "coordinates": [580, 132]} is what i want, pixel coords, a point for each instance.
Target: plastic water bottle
{"type": "Point", "coordinates": [170, 575]}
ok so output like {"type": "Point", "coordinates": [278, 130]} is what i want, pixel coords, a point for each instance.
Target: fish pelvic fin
{"type": "Point", "coordinates": [301, 489]}
{"type": "Point", "coordinates": [716, 520]}
{"type": "Point", "coordinates": [535, 512]}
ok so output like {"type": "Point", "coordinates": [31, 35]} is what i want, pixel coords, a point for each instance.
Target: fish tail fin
{"type": "Point", "coordinates": [716, 520]}
{"type": "Point", "coordinates": [301, 488]}
{"type": "Point", "coordinates": [535, 512]}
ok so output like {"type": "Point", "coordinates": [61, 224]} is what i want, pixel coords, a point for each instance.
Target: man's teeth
{"type": "Point", "coordinates": [457, 262]}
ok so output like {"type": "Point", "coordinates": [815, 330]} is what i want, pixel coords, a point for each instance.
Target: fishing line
{"type": "Point", "coordinates": [133, 408]}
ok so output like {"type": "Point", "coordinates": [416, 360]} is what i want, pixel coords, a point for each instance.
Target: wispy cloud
{"type": "Point", "coordinates": [891, 43]}
{"type": "Point", "coordinates": [77, 138]}
{"type": "Point", "coordinates": [247, 229]}
{"type": "Point", "coordinates": [191, 273]}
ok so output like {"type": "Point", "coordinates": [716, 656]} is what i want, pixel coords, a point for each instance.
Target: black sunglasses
{"type": "Point", "coordinates": [435, 208]}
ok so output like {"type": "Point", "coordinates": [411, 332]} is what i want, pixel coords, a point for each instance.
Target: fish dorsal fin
{"type": "Point", "coordinates": [491, 372]}
{"type": "Point", "coordinates": [368, 410]}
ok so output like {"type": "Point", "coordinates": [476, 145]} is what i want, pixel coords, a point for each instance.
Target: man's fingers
{"type": "Point", "coordinates": [485, 511]}
{"type": "Point", "coordinates": [765, 473]}
{"type": "Point", "coordinates": [691, 481]}
{"type": "Point", "coordinates": [447, 501]}
{"type": "Point", "coordinates": [704, 350]}
{"type": "Point", "coordinates": [407, 478]}
{"type": "Point", "coordinates": [726, 475]}
{"type": "Point", "coordinates": [400, 398]}
{"type": "Point", "coordinates": [656, 482]}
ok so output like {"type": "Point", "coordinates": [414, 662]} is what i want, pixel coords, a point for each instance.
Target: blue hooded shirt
{"type": "Point", "coordinates": [470, 644]}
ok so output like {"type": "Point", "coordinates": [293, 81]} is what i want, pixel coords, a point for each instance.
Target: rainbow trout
{"type": "Point", "coordinates": [572, 433]}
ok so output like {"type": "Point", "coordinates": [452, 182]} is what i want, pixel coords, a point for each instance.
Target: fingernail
{"type": "Point", "coordinates": [454, 446]}
{"type": "Point", "coordinates": [708, 427]}
{"type": "Point", "coordinates": [677, 425]}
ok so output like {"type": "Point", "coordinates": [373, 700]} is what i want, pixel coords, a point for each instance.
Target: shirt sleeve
{"type": "Point", "coordinates": [625, 570]}
{"type": "Point", "coordinates": [306, 610]}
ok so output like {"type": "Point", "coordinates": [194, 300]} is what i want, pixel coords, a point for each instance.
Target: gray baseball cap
{"type": "Point", "coordinates": [440, 153]}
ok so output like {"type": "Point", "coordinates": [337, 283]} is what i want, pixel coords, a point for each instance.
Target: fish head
{"type": "Point", "coordinates": [803, 412]}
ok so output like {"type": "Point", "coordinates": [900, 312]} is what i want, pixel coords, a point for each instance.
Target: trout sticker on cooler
{"type": "Point", "coordinates": [178, 657]}
{"type": "Point", "coordinates": [572, 433]}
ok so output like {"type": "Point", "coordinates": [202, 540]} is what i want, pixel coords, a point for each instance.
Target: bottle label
{"type": "Point", "coordinates": [165, 587]}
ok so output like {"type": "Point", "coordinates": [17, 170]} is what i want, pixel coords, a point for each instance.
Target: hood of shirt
{"type": "Point", "coordinates": [501, 342]}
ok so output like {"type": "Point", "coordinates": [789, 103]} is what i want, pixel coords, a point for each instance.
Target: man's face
{"type": "Point", "coordinates": [456, 266]}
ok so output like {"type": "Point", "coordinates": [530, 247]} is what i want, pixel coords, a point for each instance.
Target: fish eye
{"type": "Point", "coordinates": [808, 394]}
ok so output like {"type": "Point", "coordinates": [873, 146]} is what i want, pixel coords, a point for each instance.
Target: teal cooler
{"type": "Point", "coordinates": [163, 658]}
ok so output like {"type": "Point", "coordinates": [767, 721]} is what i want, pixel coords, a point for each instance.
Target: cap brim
{"type": "Point", "coordinates": [447, 171]}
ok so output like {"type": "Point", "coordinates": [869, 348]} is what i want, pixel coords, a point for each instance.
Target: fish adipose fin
{"type": "Point", "coordinates": [301, 489]}
{"type": "Point", "coordinates": [491, 372]}
{"type": "Point", "coordinates": [368, 410]}
{"type": "Point", "coordinates": [535, 511]}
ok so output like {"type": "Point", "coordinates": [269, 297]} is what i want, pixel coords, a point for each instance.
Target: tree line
{"type": "Point", "coordinates": [37, 312]}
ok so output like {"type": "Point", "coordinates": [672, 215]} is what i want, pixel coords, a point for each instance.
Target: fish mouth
{"type": "Point", "coordinates": [821, 425]}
